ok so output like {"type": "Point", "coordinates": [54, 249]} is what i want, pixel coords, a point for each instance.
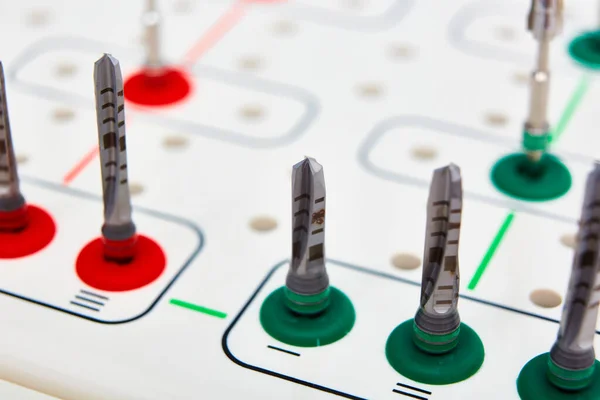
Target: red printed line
{"type": "Point", "coordinates": [81, 164]}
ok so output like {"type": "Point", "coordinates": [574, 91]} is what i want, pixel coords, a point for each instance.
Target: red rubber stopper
{"type": "Point", "coordinates": [14, 220]}
{"type": "Point", "coordinates": [120, 250]}
{"type": "Point", "coordinates": [95, 270]}
{"type": "Point", "coordinates": [165, 87]}
{"type": "Point", "coordinates": [38, 232]}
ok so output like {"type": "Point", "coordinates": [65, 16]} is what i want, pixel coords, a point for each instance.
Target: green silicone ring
{"type": "Point", "coordinates": [434, 369]}
{"type": "Point", "coordinates": [302, 330]}
{"type": "Point", "coordinates": [516, 176]}
{"type": "Point", "coordinates": [435, 344]}
{"type": "Point", "coordinates": [533, 383]}
{"type": "Point", "coordinates": [585, 49]}
{"type": "Point", "coordinates": [569, 379]}
{"type": "Point", "coordinates": [307, 304]}
{"type": "Point", "coordinates": [535, 142]}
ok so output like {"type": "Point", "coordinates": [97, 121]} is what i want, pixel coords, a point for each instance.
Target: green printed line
{"type": "Point", "coordinates": [491, 250]}
{"type": "Point", "coordinates": [195, 307]}
{"type": "Point", "coordinates": [571, 108]}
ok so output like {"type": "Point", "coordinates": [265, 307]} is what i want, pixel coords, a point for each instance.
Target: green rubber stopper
{"type": "Point", "coordinates": [435, 344]}
{"type": "Point", "coordinates": [303, 330]}
{"type": "Point", "coordinates": [307, 304]}
{"type": "Point", "coordinates": [517, 176]}
{"type": "Point", "coordinates": [567, 379]}
{"type": "Point", "coordinates": [535, 142]}
{"type": "Point", "coordinates": [434, 369]}
{"type": "Point", "coordinates": [585, 49]}
{"type": "Point", "coordinates": [533, 383]}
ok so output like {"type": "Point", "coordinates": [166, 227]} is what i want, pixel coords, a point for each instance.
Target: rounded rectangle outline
{"type": "Point", "coordinates": [310, 103]}
{"type": "Point", "coordinates": [355, 268]}
{"type": "Point", "coordinates": [157, 214]}
{"type": "Point", "coordinates": [448, 128]}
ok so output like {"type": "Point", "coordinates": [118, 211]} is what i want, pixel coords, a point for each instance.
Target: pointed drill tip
{"type": "Point", "coordinates": [310, 163]}
{"type": "Point", "coordinates": [105, 59]}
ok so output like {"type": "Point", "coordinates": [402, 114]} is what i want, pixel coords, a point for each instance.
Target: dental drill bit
{"type": "Point", "coordinates": [307, 283]}
{"type": "Point", "coordinates": [151, 22]}
{"type": "Point", "coordinates": [13, 209]}
{"type": "Point", "coordinates": [118, 231]}
{"type": "Point", "coordinates": [545, 21]}
{"type": "Point", "coordinates": [572, 356]}
{"type": "Point", "coordinates": [437, 321]}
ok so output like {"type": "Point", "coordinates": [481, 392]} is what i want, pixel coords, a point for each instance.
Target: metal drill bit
{"type": "Point", "coordinates": [574, 346]}
{"type": "Point", "coordinates": [11, 198]}
{"type": "Point", "coordinates": [438, 312]}
{"type": "Point", "coordinates": [545, 22]}
{"type": "Point", "coordinates": [307, 274]}
{"type": "Point", "coordinates": [151, 22]}
{"type": "Point", "coordinates": [110, 112]}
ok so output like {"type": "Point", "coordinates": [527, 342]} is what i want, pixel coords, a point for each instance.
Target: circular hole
{"type": "Point", "coordinates": [252, 112]}
{"type": "Point", "coordinates": [38, 17]}
{"type": "Point", "coordinates": [250, 63]}
{"type": "Point", "coordinates": [285, 28]}
{"type": "Point", "coordinates": [405, 261]}
{"type": "Point", "coordinates": [66, 69]}
{"type": "Point", "coordinates": [400, 51]}
{"type": "Point", "coordinates": [370, 90]}
{"type": "Point", "coordinates": [176, 142]}
{"type": "Point", "coordinates": [521, 78]}
{"type": "Point", "coordinates": [263, 223]}
{"type": "Point", "coordinates": [545, 298]}
{"type": "Point", "coordinates": [569, 240]}
{"type": "Point", "coordinates": [496, 119]}
{"type": "Point", "coordinates": [506, 33]}
{"type": "Point", "coordinates": [135, 188]}
{"type": "Point", "coordinates": [424, 152]}
{"type": "Point", "coordinates": [22, 158]}
{"type": "Point", "coordinates": [63, 114]}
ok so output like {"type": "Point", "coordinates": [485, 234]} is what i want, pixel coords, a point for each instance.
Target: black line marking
{"type": "Point", "coordinates": [300, 228]}
{"type": "Point", "coordinates": [93, 294]}
{"type": "Point", "coordinates": [302, 196]}
{"type": "Point", "coordinates": [109, 163]}
{"type": "Point", "coordinates": [446, 287]}
{"type": "Point", "coordinates": [320, 200]}
{"type": "Point", "coordinates": [443, 302]}
{"type": "Point", "coordinates": [301, 212]}
{"type": "Point", "coordinates": [413, 388]}
{"type": "Point", "coordinates": [455, 211]}
{"type": "Point", "coordinates": [108, 89]}
{"type": "Point", "coordinates": [108, 105]}
{"type": "Point", "coordinates": [316, 231]}
{"type": "Point", "coordinates": [109, 119]}
{"type": "Point", "coordinates": [120, 108]}
{"type": "Point", "coordinates": [89, 300]}
{"type": "Point", "coordinates": [110, 178]}
{"type": "Point", "coordinates": [452, 242]}
{"type": "Point", "coordinates": [120, 93]}
{"type": "Point", "coordinates": [441, 203]}
{"type": "Point", "coordinates": [84, 306]}
{"type": "Point", "coordinates": [434, 234]}
{"type": "Point", "coordinates": [284, 351]}
{"type": "Point", "coordinates": [123, 181]}
{"type": "Point", "coordinates": [120, 124]}
{"type": "Point", "coordinates": [124, 166]}
{"type": "Point", "coordinates": [435, 219]}
{"type": "Point", "coordinates": [414, 396]}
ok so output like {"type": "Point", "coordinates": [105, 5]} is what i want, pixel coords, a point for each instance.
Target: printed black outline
{"type": "Point", "coordinates": [85, 45]}
{"type": "Point", "coordinates": [157, 214]}
{"type": "Point", "coordinates": [356, 268]}
{"type": "Point", "coordinates": [452, 129]}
